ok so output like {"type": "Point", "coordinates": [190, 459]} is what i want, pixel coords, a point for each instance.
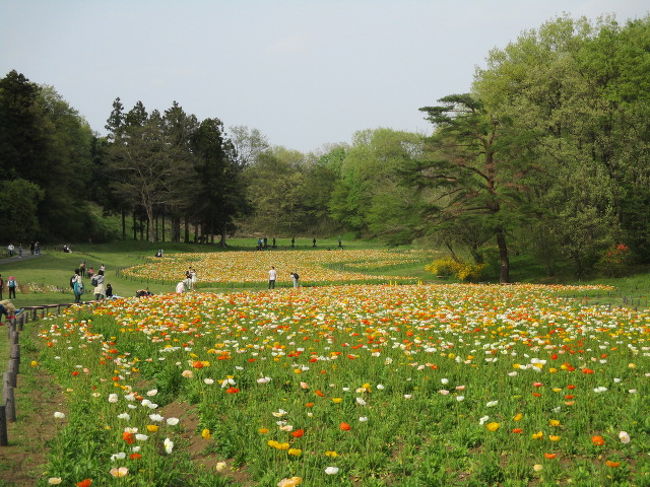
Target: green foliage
{"type": "Point", "coordinates": [615, 261]}
{"type": "Point", "coordinates": [19, 202]}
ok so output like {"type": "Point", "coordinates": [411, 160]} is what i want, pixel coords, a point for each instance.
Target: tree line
{"type": "Point", "coordinates": [547, 155]}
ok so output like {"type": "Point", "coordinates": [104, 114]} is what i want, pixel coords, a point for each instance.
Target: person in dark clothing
{"type": "Point", "coordinates": [293, 242]}
{"type": "Point", "coordinates": [273, 244]}
{"type": "Point", "coordinates": [314, 243]}
{"type": "Point", "coordinates": [2, 286]}
{"type": "Point", "coordinates": [109, 291]}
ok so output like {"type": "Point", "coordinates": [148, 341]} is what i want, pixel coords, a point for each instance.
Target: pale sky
{"type": "Point", "coordinates": [304, 72]}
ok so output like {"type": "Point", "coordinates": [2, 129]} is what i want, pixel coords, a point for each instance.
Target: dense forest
{"type": "Point", "coordinates": [548, 155]}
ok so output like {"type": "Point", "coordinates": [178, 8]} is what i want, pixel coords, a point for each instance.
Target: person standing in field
{"type": "Point", "coordinates": [82, 268]}
{"type": "Point", "coordinates": [294, 279]}
{"type": "Point", "coordinates": [77, 286]}
{"type": "Point", "coordinates": [2, 286]}
{"type": "Point", "coordinates": [314, 242]}
{"type": "Point", "coordinates": [273, 274]}
{"type": "Point", "coordinates": [100, 287]}
{"type": "Point", "coordinates": [10, 249]}
{"type": "Point", "coordinates": [12, 285]}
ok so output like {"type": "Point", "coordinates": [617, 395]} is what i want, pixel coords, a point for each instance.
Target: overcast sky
{"type": "Point", "coordinates": [304, 72]}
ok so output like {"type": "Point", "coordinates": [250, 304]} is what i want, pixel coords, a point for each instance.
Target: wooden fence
{"type": "Point", "coordinates": [10, 377]}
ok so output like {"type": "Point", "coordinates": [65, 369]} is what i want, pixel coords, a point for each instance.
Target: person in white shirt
{"type": "Point", "coordinates": [180, 287]}
{"type": "Point", "coordinates": [294, 278]}
{"type": "Point", "coordinates": [273, 274]}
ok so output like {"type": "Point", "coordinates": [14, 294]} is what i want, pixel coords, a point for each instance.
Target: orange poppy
{"type": "Point", "coordinates": [598, 440]}
{"type": "Point", "coordinates": [84, 483]}
{"type": "Point", "coordinates": [345, 426]}
{"type": "Point", "coordinates": [550, 456]}
{"type": "Point", "coordinates": [611, 464]}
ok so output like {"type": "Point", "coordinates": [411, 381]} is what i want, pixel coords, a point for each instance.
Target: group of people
{"type": "Point", "coordinates": [273, 276]}
{"type": "Point", "coordinates": [101, 290]}
{"type": "Point", "coordinates": [188, 283]}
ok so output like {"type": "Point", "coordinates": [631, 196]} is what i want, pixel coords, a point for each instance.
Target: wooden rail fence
{"type": "Point", "coordinates": [10, 377]}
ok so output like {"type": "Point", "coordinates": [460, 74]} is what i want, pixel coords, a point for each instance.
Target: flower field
{"type": "Point", "coordinates": [351, 386]}
{"type": "Point", "coordinates": [253, 266]}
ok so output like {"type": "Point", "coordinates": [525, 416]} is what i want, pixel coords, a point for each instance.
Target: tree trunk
{"type": "Point", "coordinates": [163, 223]}
{"type": "Point", "coordinates": [451, 251]}
{"type": "Point", "coordinates": [123, 224]}
{"type": "Point", "coordinates": [476, 255]}
{"type": "Point", "coordinates": [504, 272]}
{"type": "Point", "coordinates": [187, 230]}
{"type": "Point", "coordinates": [176, 229]}
{"type": "Point", "coordinates": [196, 233]}
{"type": "Point", "coordinates": [150, 222]}
{"type": "Point", "coordinates": [135, 227]}
{"type": "Point", "coordinates": [222, 241]}
{"type": "Point", "coordinates": [157, 227]}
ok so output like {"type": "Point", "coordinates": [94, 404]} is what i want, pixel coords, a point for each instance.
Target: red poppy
{"type": "Point", "coordinates": [550, 456]}
{"type": "Point", "coordinates": [135, 456]}
{"type": "Point", "coordinates": [197, 364]}
{"type": "Point", "coordinates": [345, 426]}
{"type": "Point", "coordinates": [298, 433]}
{"type": "Point", "coordinates": [128, 437]}
{"type": "Point", "coordinates": [309, 405]}
{"type": "Point", "coordinates": [587, 371]}
{"type": "Point", "coordinates": [537, 394]}
{"type": "Point", "coordinates": [517, 430]}
{"type": "Point", "coordinates": [570, 386]}
{"type": "Point", "coordinates": [232, 390]}
{"type": "Point", "coordinates": [84, 483]}
{"type": "Point", "coordinates": [319, 393]}
{"type": "Point", "coordinates": [75, 373]}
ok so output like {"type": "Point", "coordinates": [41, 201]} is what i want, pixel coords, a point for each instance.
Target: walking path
{"type": "Point", "coordinates": [15, 258]}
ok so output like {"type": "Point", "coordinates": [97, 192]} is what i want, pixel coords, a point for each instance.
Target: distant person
{"type": "Point", "coordinates": [37, 248]}
{"type": "Point", "coordinates": [295, 279]}
{"type": "Point", "coordinates": [20, 251]}
{"type": "Point", "coordinates": [314, 243]}
{"type": "Point", "coordinates": [293, 242]}
{"type": "Point", "coordinates": [193, 277]}
{"type": "Point", "coordinates": [109, 291]}
{"type": "Point", "coordinates": [67, 249]}
{"type": "Point", "coordinates": [180, 287]}
{"type": "Point", "coordinates": [32, 247]}
{"type": "Point", "coordinates": [273, 274]}
{"type": "Point", "coordinates": [273, 244]}
{"type": "Point", "coordinates": [12, 285]}
{"type": "Point", "coordinates": [2, 286]}
{"type": "Point", "coordinates": [159, 253]}
{"type": "Point", "coordinates": [100, 288]}
{"type": "Point", "coordinates": [91, 272]}
{"type": "Point", "coordinates": [340, 244]}
{"type": "Point", "coordinates": [10, 249]}
{"type": "Point", "coordinates": [77, 286]}
{"type": "Point", "coordinates": [142, 293]}
{"type": "Point", "coordinates": [82, 269]}
{"type": "Point", "coordinates": [266, 243]}
{"type": "Point", "coordinates": [102, 268]}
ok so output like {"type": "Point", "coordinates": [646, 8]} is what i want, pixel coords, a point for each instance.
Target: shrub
{"type": "Point", "coordinates": [463, 271]}
{"type": "Point", "coordinates": [615, 261]}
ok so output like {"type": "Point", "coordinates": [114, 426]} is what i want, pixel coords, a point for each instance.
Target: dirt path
{"type": "Point", "coordinates": [23, 462]}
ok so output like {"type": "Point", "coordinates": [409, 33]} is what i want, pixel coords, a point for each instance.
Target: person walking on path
{"type": "Point", "coordinates": [12, 285]}
{"type": "Point", "coordinates": [273, 274]}
{"type": "Point", "coordinates": [10, 249]}
{"type": "Point", "coordinates": [100, 287]}
{"type": "Point", "coordinates": [2, 286]}
{"type": "Point", "coordinates": [77, 286]}
{"type": "Point", "coordinates": [295, 278]}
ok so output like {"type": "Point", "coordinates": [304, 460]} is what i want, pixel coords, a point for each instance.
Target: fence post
{"type": "Point", "coordinates": [15, 355]}
{"type": "Point", "coordinates": [3, 426]}
{"type": "Point", "coordinates": [12, 374]}
{"type": "Point", "coordinates": [10, 404]}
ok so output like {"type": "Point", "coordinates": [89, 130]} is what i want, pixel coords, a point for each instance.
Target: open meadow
{"type": "Point", "coordinates": [360, 384]}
